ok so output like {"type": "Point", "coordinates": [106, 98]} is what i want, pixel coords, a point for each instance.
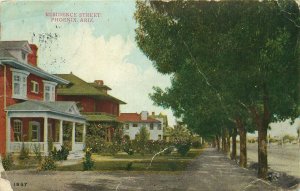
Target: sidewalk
{"type": "Point", "coordinates": [214, 171]}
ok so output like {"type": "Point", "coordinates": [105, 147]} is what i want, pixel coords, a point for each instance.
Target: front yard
{"type": "Point", "coordinates": [138, 162]}
{"type": "Point", "coordinates": [121, 161]}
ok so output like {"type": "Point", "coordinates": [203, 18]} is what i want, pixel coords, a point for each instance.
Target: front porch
{"type": "Point", "coordinates": [35, 128]}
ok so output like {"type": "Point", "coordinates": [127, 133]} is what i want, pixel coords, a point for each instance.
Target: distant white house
{"type": "Point", "coordinates": [133, 122]}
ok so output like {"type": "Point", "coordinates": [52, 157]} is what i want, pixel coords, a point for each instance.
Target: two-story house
{"type": "Point", "coordinates": [133, 122]}
{"type": "Point", "coordinates": [164, 123]}
{"type": "Point", "coordinates": [99, 108]}
{"type": "Point", "coordinates": [29, 112]}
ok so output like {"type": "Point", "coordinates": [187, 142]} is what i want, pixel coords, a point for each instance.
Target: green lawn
{"type": "Point", "coordinates": [121, 161]}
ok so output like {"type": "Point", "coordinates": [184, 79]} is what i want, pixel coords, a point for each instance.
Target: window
{"type": "Point", "coordinates": [159, 127]}
{"type": "Point", "coordinates": [18, 130]}
{"type": "Point", "coordinates": [49, 90]}
{"type": "Point", "coordinates": [34, 87]}
{"type": "Point", "coordinates": [35, 131]}
{"type": "Point", "coordinates": [151, 126]}
{"type": "Point", "coordinates": [127, 126]}
{"type": "Point", "coordinates": [159, 137]}
{"type": "Point", "coordinates": [134, 125]}
{"type": "Point", "coordinates": [19, 83]}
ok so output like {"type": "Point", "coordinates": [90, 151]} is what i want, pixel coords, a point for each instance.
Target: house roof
{"type": "Point", "coordinates": [81, 87]}
{"type": "Point", "coordinates": [99, 117]}
{"type": "Point", "coordinates": [135, 117]}
{"type": "Point", "coordinates": [22, 44]}
{"type": "Point", "coordinates": [7, 58]}
{"type": "Point", "coordinates": [62, 107]}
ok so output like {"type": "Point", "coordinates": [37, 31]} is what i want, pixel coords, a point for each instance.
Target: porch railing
{"type": "Point", "coordinates": [31, 146]}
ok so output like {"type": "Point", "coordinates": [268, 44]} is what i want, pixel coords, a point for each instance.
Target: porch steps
{"type": "Point", "coordinates": [76, 155]}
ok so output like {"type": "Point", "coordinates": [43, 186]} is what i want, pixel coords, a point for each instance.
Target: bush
{"type": "Point", "coordinates": [183, 148]}
{"type": "Point", "coordinates": [141, 140]}
{"type": "Point", "coordinates": [168, 150]}
{"type": "Point", "coordinates": [24, 153]}
{"type": "Point", "coordinates": [128, 147]}
{"type": "Point", "coordinates": [88, 162]}
{"type": "Point", "coordinates": [61, 154]}
{"type": "Point", "coordinates": [37, 152]}
{"type": "Point", "coordinates": [129, 166]}
{"type": "Point", "coordinates": [7, 162]}
{"type": "Point", "coordinates": [196, 144]}
{"type": "Point", "coordinates": [48, 163]}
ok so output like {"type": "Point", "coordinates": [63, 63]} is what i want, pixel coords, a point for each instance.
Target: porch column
{"type": "Point", "coordinates": [46, 136]}
{"type": "Point", "coordinates": [73, 135]}
{"type": "Point", "coordinates": [8, 134]}
{"type": "Point", "coordinates": [84, 133]}
{"type": "Point", "coordinates": [60, 132]}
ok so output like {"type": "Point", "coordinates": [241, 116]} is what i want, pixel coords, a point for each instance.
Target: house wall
{"type": "Point", "coordinates": [107, 107]}
{"type": "Point", "coordinates": [132, 131]}
{"type": "Point", "coordinates": [88, 104]}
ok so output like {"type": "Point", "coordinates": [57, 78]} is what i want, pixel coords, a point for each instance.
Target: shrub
{"type": "Point", "coordinates": [37, 152]}
{"type": "Point", "coordinates": [7, 161]}
{"type": "Point", "coordinates": [88, 162]}
{"type": "Point", "coordinates": [24, 153]}
{"type": "Point", "coordinates": [128, 147]}
{"type": "Point", "coordinates": [112, 148]}
{"type": "Point", "coordinates": [183, 148]}
{"type": "Point", "coordinates": [142, 139]}
{"type": "Point", "coordinates": [48, 163]}
{"type": "Point", "coordinates": [129, 166]}
{"type": "Point", "coordinates": [61, 154]}
{"type": "Point", "coordinates": [196, 144]}
{"type": "Point", "coordinates": [168, 150]}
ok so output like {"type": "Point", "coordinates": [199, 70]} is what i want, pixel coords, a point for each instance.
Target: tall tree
{"type": "Point", "coordinates": [243, 55]}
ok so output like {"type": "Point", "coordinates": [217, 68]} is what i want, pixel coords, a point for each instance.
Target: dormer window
{"type": "Point", "coordinates": [49, 90]}
{"type": "Point", "coordinates": [19, 84]}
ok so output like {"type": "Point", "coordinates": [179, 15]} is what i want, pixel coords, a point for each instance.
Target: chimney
{"type": "Point", "coordinates": [99, 82]}
{"type": "Point", "coordinates": [32, 58]}
{"type": "Point", "coordinates": [144, 115]}
{"type": "Point", "coordinates": [153, 113]}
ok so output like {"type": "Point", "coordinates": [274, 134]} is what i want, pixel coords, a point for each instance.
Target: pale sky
{"type": "Point", "coordinates": [104, 49]}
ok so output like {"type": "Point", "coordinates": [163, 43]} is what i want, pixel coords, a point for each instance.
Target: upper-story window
{"type": "Point", "coordinates": [19, 83]}
{"type": "Point", "coordinates": [159, 127]}
{"type": "Point", "coordinates": [49, 90]}
{"type": "Point", "coordinates": [151, 126]}
{"type": "Point", "coordinates": [34, 87]}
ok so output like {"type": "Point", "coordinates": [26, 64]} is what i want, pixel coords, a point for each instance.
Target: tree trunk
{"type": "Point", "coordinates": [243, 142]}
{"type": "Point", "coordinates": [233, 149]}
{"type": "Point", "coordinates": [223, 141]}
{"type": "Point", "coordinates": [227, 139]}
{"type": "Point", "coordinates": [218, 142]}
{"type": "Point", "coordinates": [262, 123]}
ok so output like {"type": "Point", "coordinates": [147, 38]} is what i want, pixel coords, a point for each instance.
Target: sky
{"type": "Point", "coordinates": [104, 49]}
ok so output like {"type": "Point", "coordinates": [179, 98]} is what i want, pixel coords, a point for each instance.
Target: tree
{"type": "Point", "coordinates": [250, 45]}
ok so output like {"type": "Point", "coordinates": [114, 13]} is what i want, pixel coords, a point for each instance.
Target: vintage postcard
{"type": "Point", "coordinates": [149, 95]}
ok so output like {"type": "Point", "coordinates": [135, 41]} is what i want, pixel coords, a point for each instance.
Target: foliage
{"type": "Point", "coordinates": [37, 152]}
{"type": "Point", "coordinates": [250, 45]}
{"type": "Point", "coordinates": [141, 140]}
{"type": "Point", "coordinates": [88, 162]}
{"type": "Point", "coordinates": [48, 163]}
{"type": "Point", "coordinates": [129, 166]}
{"type": "Point", "coordinates": [24, 153]}
{"type": "Point", "coordinates": [183, 148]}
{"type": "Point", "coordinates": [127, 146]}
{"type": "Point", "coordinates": [61, 154]}
{"type": "Point", "coordinates": [7, 161]}
{"type": "Point", "coordinates": [289, 138]}
{"type": "Point", "coordinates": [95, 138]}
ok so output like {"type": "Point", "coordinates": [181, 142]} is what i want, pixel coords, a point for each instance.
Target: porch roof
{"type": "Point", "coordinates": [58, 107]}
{"type": "Point", "coordinates": [100, 117]}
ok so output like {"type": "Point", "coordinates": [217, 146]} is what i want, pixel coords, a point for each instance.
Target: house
{"type": "Point", "coordinates": [29, 112]}
{"type": "Point", "coordinates": [94, 102]}
{"type": "Point", "coordinates": [164, 123]}
{"type": "Point", "coordinates": [133, 122]}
